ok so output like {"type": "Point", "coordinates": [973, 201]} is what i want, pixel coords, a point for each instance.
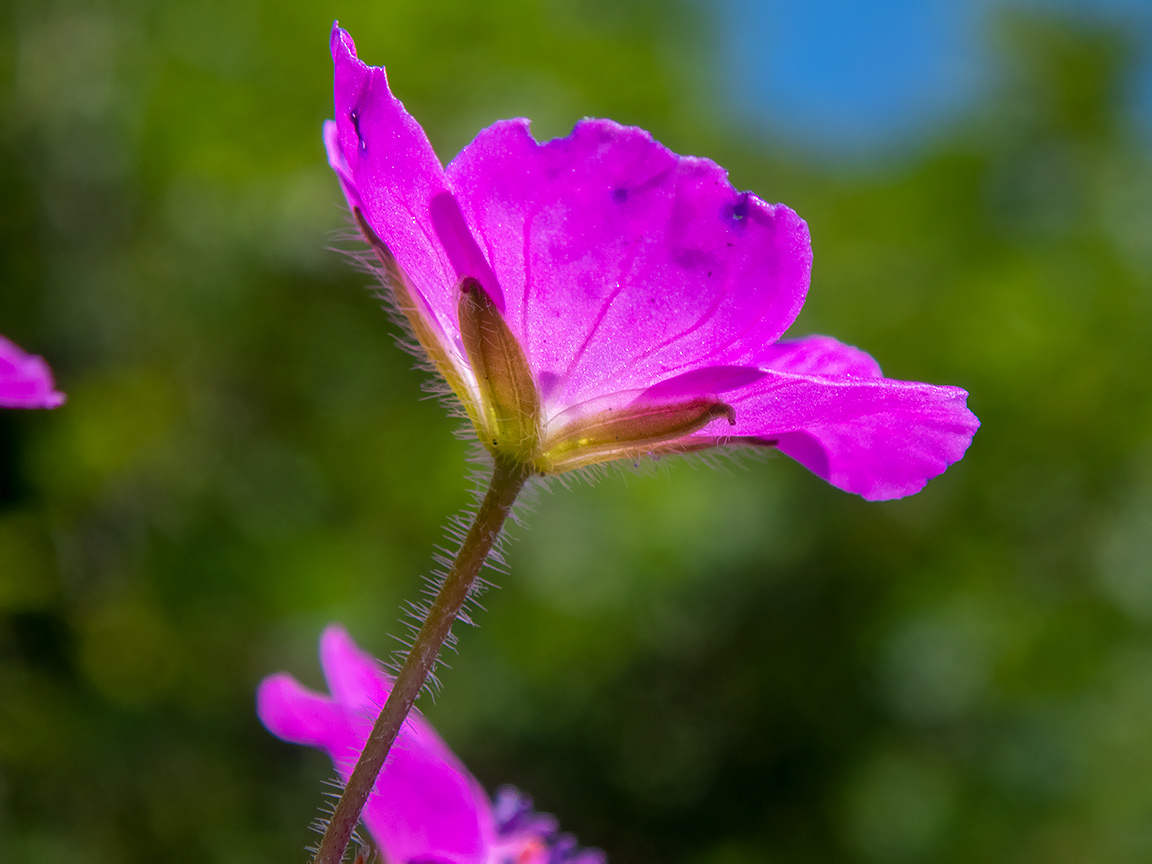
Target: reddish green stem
{"type": "Point", "coordinates": [507, 480]}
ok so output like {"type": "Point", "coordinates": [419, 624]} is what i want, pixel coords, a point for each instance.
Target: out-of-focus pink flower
{"type": "Point", "coordinates": [425, 807]}
{"type": "Point", "coordinates": [25, 379]}
{"type": "Point", "coordinates": [598, 297]}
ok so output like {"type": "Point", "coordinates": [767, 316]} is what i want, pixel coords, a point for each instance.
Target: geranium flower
{"type": "Point", "coordinates": [25, 379]}
{"type": "Point", "coordinates": [425, 807]}
{"type": "Point", "coordinates": [598, 297]}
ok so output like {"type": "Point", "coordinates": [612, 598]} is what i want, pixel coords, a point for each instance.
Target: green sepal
{"type": "Point", "coordinates": [627, 433]}
{"type": "Point", "coordinates": [509, 400]}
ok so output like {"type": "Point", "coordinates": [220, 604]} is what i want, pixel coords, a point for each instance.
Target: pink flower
{"type": "Point", "coordinates": [25, 380]}
{"type": "Point", "coordinates": [598, 297]}
{"type": "Point", "coordinates": [425, 807]}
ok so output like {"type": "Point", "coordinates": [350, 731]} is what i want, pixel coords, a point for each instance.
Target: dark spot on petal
{"type": "Point", "coordinates": [739, 211]}
{"type": "Point", "coordinates": [354, 117]}
{"type": "Point", "coordinates": [620, 195]}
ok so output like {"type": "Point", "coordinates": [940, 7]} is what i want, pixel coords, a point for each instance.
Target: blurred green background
{"type": "Point", "coordinates": [685, 665]}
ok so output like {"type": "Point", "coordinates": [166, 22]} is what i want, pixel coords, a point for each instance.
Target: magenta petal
{"type": "Point", "coordinates": [623, 264]}
{"type": "Point", "coordinates": [294, 713]}
{"type": "Point", "coordinates": [709, 381]}
{"type": "Point", "coordinates": [353, 675]}
{"type": "Point", "coordinates": [460, 246]}
{"type": "Point", "coordinates": [25, 379]}
{"type": "Point", "coordinates": [826, 406]}
{"type": "Point", "coordinates": [388, 169]}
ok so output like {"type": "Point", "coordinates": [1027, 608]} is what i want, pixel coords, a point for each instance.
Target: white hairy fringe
{"type": "Point", "coordinates": [366, 850]}
{"type": "Point", "coordinates": [350, 243]}
{"type": "Point", "coordinates": [415, 612]}
{"type": "Point", "coordinates": [725, 458]}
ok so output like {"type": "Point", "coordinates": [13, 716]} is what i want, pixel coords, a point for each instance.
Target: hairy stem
{"type": "Point", "coordinates": [508, 479]}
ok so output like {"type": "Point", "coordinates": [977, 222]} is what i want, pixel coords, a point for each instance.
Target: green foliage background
{"type": "Point", "coordinates": [685, 665]}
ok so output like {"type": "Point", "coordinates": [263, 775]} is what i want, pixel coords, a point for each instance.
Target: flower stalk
{"type": "Point", "coordinates": [508, 479]}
